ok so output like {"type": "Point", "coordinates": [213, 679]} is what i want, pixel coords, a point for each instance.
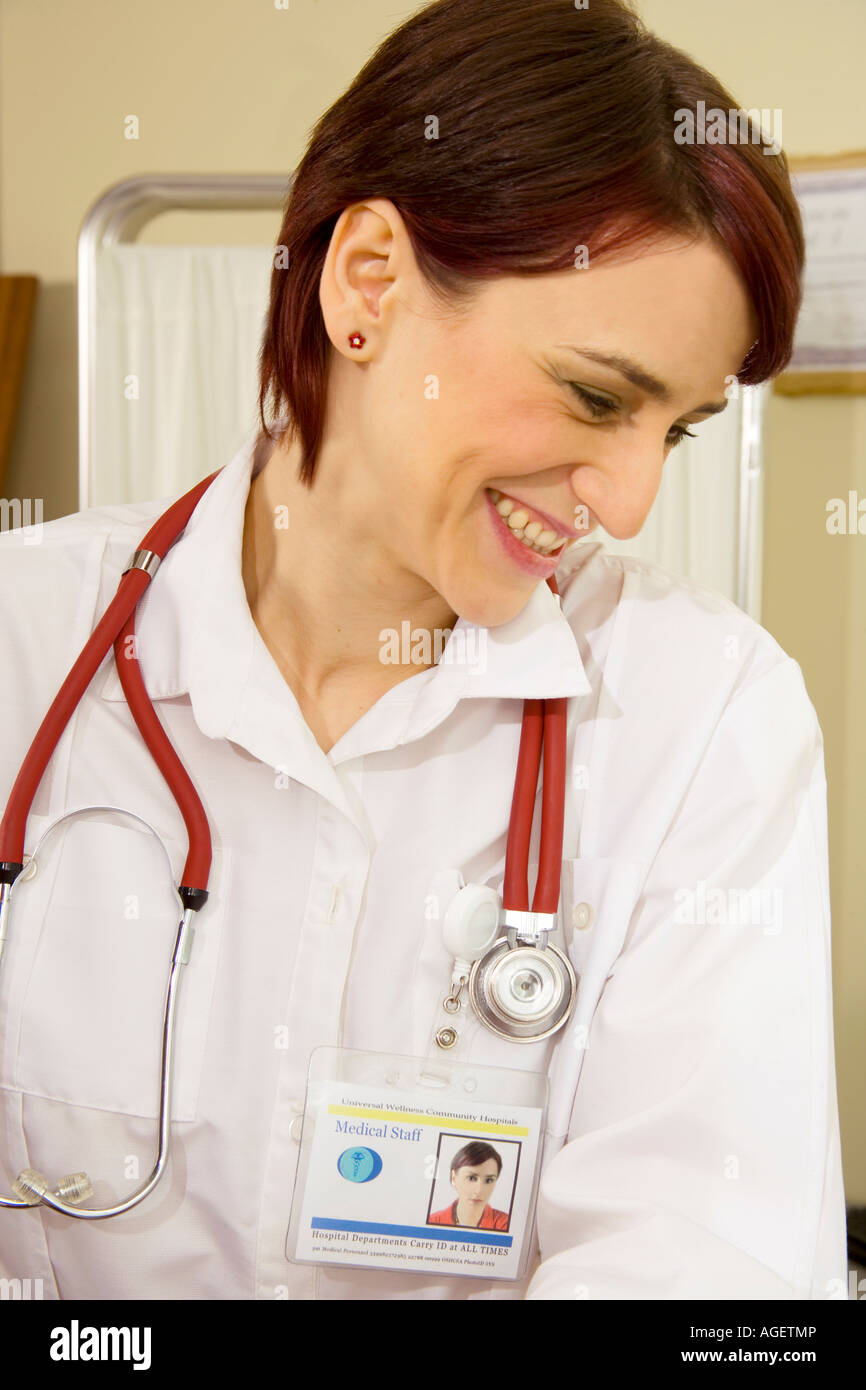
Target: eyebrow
{"type": "Point", "coordinates": [641, 378]}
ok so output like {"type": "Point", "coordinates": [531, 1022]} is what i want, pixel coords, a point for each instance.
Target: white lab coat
{"type": "Point", "coordinates": [692, 1146]}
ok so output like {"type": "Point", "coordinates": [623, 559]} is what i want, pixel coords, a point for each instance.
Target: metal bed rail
{"type": "Point", "coordinates": [118, 216]}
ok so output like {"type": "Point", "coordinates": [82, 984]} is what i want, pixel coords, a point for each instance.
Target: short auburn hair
{"type": "Point", "coordinates": [555, 129]}
{"type": "Point", "coordinates": [473, 1154]}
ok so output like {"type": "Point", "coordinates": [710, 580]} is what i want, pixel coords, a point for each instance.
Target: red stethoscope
{"type": "Point", "coordinates": [520, 986]}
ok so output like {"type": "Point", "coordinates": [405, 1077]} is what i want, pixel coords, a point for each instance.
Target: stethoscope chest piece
{"type": "Point", "coordinates": [522, 992]}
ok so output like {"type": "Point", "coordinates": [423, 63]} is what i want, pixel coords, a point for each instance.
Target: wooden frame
{"type": "Point", "coordinates": [17, 301]}
{"type": "Point", "coordinates": [815, 381]}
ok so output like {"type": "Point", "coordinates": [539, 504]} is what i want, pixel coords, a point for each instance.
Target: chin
{"type": "Point", "coordinates": [492, 608]}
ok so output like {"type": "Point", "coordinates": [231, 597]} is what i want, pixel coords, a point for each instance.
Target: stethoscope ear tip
{"type": "Point", "coordinates": [75, 1188]}
{"type": "Point", "coordinates": [32, 1186]}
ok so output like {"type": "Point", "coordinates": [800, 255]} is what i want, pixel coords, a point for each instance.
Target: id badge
{"type": "Point", "coordinates": [404, 1165]}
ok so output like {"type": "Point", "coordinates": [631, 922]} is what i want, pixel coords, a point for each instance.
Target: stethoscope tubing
{"type": "Point", "coordinates": [117, 627]}
{"type": "Point", "coordinates": [544, 729]}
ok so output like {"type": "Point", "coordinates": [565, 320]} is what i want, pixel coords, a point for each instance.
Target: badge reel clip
{"type": "Point", "coordinates": [520, 986]}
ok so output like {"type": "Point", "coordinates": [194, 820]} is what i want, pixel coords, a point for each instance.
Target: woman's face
{"type": "Point", "coordinates": [446, 409]}
{"type": "Point", "coordinates": [474, 1185]}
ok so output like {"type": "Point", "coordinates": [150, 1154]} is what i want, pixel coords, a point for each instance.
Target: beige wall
{"type": "Point", "coordinates": [807, 61]}
{"type": "Point", "coordinates": [235, 86]}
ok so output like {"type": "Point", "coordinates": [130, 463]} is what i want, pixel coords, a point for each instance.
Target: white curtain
{"type": "Point", "coordinates": [177, 337]}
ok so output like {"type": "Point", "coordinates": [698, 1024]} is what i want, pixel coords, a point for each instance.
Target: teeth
{"type": "Point", "coordinates": [532, 533]}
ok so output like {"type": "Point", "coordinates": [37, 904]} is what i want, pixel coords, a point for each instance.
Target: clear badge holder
{"type": "Point", "coordinates": [421, 1164]}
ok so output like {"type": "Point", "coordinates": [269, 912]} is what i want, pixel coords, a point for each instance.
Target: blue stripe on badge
{"type": "Point", "coordinates": [443, 1233]}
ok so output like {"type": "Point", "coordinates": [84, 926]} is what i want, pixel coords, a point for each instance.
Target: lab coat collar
{"type": "Point", "coordinates": [196, 636]}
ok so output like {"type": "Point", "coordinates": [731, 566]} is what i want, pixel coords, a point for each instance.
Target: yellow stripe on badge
{"type": "Point", "coordinates": [480, 1126]}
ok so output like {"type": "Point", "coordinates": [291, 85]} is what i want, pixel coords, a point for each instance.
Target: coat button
{"type": "Point", "coordinates": [295, 1128]}
{"type": "Point", "coordinates": [30, 867]}
{"type": "Point", "coordinates": [582, 916]}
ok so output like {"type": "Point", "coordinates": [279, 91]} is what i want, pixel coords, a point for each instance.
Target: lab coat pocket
{"type": "Point", "coordinates": [91, 937]}
{"type": "Point", "coordinates": [597, 903]}
{"type": "Point", "coordinates": [597, 899]}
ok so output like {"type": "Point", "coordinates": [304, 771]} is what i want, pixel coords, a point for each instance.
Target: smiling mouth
{"type": "Point", "coordinates": [524, 526]}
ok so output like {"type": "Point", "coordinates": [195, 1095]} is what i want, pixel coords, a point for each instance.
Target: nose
{"type": "Point", "coordinates": [622, 482]}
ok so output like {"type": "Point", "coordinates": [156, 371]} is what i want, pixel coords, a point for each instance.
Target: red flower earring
{"type": "Point", "coordinates": [357, 340]}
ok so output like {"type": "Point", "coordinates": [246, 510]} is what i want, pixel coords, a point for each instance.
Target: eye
{"type": "Point", "coordinates": [601, 406]}
{"type": "Point", "coordinates": [679, 433]}
{"type": "Point", "coordinates": [598, 406]}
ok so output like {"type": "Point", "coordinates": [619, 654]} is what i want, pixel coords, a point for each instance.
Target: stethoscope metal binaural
{"type": "Point", "coordinates": [520, 986]}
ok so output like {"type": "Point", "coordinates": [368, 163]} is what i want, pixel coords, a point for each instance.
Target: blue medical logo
{"type": "Point", "coordinates": [359, 1165]}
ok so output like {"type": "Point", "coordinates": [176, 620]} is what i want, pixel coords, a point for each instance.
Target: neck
{"type": "Point", "coordinates": [470, 1217]}
{"type": "Point", "coordinates": [321, 581]}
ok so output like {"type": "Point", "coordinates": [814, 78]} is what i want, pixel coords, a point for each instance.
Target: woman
{"type": "Point", "coordinates": [474, 1173]}
{"type": "Point", "coordinates": [509, 290]}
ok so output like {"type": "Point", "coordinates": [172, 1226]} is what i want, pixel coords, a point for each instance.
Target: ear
{"type": "Point", "coordinates": [362, 264]}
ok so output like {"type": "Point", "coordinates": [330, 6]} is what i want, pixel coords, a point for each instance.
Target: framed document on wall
{"type": "Point", "coordinates": [830, 342]}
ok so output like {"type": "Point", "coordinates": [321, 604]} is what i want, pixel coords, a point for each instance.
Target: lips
{"type": "Point", "coordinates": [525, 555]}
